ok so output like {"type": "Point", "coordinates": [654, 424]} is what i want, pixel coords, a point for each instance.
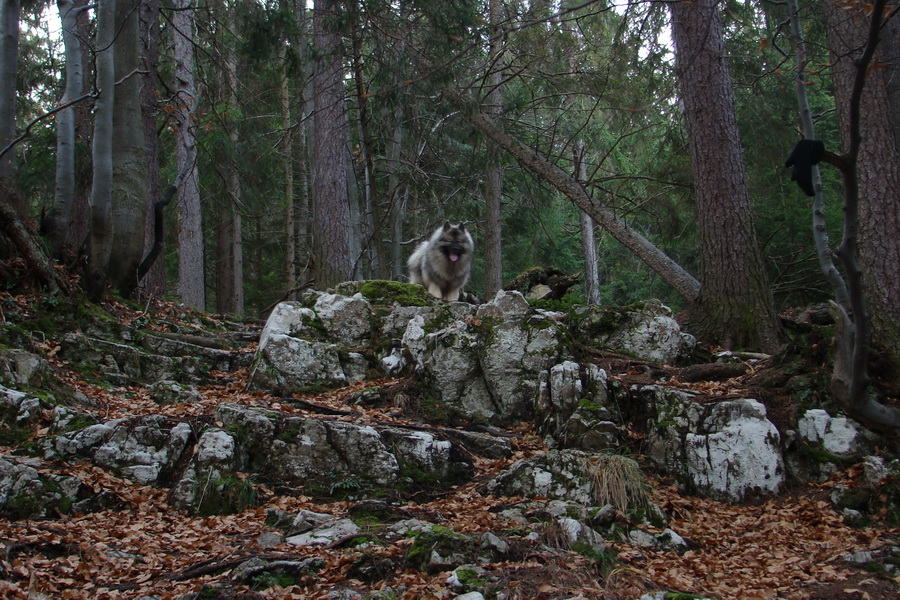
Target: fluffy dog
{"type": "Point", "coordinates": [443, 263]}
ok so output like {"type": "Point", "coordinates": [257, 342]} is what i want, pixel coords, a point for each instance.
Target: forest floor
{"type": "Point", "coordinates": [793, 546]}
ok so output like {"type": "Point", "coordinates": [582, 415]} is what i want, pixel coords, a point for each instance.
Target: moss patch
{"type": "Point", "coordinates": [394, 292]}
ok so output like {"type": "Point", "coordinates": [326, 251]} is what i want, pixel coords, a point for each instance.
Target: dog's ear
{"type": "Point", "coordinates": [462, 227]}
{"type": "Point", "coordinates": [446, 225]}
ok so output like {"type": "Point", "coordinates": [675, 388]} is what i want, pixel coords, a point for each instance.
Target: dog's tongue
{"type": "Point", "coordinates": [453, 257]}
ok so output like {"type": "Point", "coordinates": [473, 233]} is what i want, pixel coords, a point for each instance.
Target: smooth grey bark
{"type": "Point", "coordinates": [672, 273]}
{"type": "Point", "coordinates": [493, 177]}
{"type": "Point", "coordinates": [331, 209]}
{"type": "Point", "coordinates": [588, 244]}
{"type": "Point", "coordinates": [191, 286]}
{"type": "Point", "coordinates": [154, 282]}
{"type": "Point", "coordinates": [129, 160]}
{"type": "Point", "coordinates": [58, 224]}
{"type": "Point", "coordinates": [820, 231]}
{"type": "Point", "coordinates": [9, 58]}
{"type": "Point", "coordinates": [735, 307]}
{"type": "Point", "coordinates": [100, 239]}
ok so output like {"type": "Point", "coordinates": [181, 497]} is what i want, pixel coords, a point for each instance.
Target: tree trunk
{"type": "Point", "coordinates": [820, 231]}
{"type": "Point", "coordinates": [673, 274]}
{"type": "Point", "coordinates": [588, 245]}
{"type": "Point", "coordinates": [374, 220]}
{"type": "Point", "coordinates": [155, 281]}
{"type": "Point", "coordinates": [290, 211]}
{"type": "Point", "coordinates": [191, 286]}
{"type": "Point", "coordinates": [58, 222]}
{"type": "Point", "coordinates": [395, 194]}
{"type": "Point", "coordinates": [129, 182]}
{"type": "Point", "coordinates": [878, 174]}
{"type": "Point", "coordinates": [232, 248]}
{"type": "Point", "coordinates": [9, 59]}
{"type": "Point", "coordinates": [735, 307]}
{"type": "Point", "coordinates": [100, 238]}
{"type": "Point", "coordinates": [331, 218]}
{"type": "Point", "coordinates": [493, 185]}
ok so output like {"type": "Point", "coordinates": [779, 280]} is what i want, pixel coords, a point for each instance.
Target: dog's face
{"type": "Point", "coordinates": [455, 241]}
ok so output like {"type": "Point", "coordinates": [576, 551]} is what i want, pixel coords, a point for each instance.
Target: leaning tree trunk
{"type": "Point", "coordinates": [735, 307]}
{"type": "Point", "coordinates": [9, 59]}
{"type": "Point", "coordinates": [672, 273]}
{"type": "Point", "coordinates": [191, 286]}
{"type": "Point", "coordinates": [331, 209]}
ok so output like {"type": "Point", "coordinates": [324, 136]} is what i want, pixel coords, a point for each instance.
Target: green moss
{"type": "Point", "coordinates": [441, 319]}
{"type": "Point", "coordinates": [227, 495]}
{"type": "Point", "coordinates": [23, 506]}
{"type": "Point", "coordinates": [816, 452]}
{"type": "Point", "coordinates": [566, 304]}
{"type": "Point", "coordinates": [14, 436]}
{"type": "Point", "coordinates": [470, 578]}
{"type": "Point", "coordinates": [439, 539]}
{"type": "Point", "coordinates": [394, 292]}
{"type": "Point", "coordinates": [267, 580]}
{"type": "Point", "coordinates": [603, 561]}
{"type": "Point", "coordinates": [680, 596]}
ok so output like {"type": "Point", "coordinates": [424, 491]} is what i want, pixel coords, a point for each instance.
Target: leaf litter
{"type": "Point", "coordinates": [789, 547]}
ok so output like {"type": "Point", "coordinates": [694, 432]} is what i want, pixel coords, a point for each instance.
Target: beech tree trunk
{"type": "Point", "coordinates": [191, 285]}
{"type": "Point", "coordinates": [331, 218]}
{"type": "Point", "coordinates": [877, 170]}
{"type": "Point", "coordinates": [129, 161]}
{"type": "Point", "coordinates": [735, 307]}
{"type": "Point", "coordinates": [100, 239]}
{"type": "Point", "coordinates": [58, 222]}
{"type": "Point", "coordinates": [9, 59]}
{"type": "Point", "coordinates": [155, 281]}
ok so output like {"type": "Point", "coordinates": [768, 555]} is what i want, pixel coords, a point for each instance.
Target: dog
{"type": "Point", "coordinates": [443, 263]}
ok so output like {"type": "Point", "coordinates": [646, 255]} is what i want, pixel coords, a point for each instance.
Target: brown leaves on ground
{"type": "Point", "coordinates": [790, 547]}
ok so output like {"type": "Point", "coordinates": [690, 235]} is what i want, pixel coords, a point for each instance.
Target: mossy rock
{"type": "Point", "coordinates": [383, 292]}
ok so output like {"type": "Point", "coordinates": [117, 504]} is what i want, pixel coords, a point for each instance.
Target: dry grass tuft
{"type": "Point", "coordinates": [618, 480]}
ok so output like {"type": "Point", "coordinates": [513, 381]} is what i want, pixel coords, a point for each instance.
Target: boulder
{"type": "Point", "coordinates": [646, 330]}
{"type": "Point", "coordinates": [838, 435]}
{"type": "Point", "coordinates": [556, 474]}
{"type": "Point", "coordinates": [140, 448]}
{"type": "Point", "coordinates": [727, 450]}
{"type": "Point", "coordinates": [26, 493]}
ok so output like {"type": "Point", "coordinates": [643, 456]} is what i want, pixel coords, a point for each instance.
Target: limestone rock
{"type": "Point", "coordinates": [728, 449]}
{"type": "Point", "coordinates": [645, 329]}
{"type": "Point", "coordinates": [556, 474]}
{"type": "Point", "coordinates": [838, 435]}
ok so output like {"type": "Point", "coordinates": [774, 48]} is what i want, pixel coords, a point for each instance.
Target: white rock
{"type": "Point", "coordinates": [322, 536]}
{"type": "Point", "coordinates": [740, 453]}
{"type": "Point", "coordinates": [838, 435]}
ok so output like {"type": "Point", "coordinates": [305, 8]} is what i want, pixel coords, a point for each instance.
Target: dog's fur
{"type": "Point", "coordinates": [443, 263]}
